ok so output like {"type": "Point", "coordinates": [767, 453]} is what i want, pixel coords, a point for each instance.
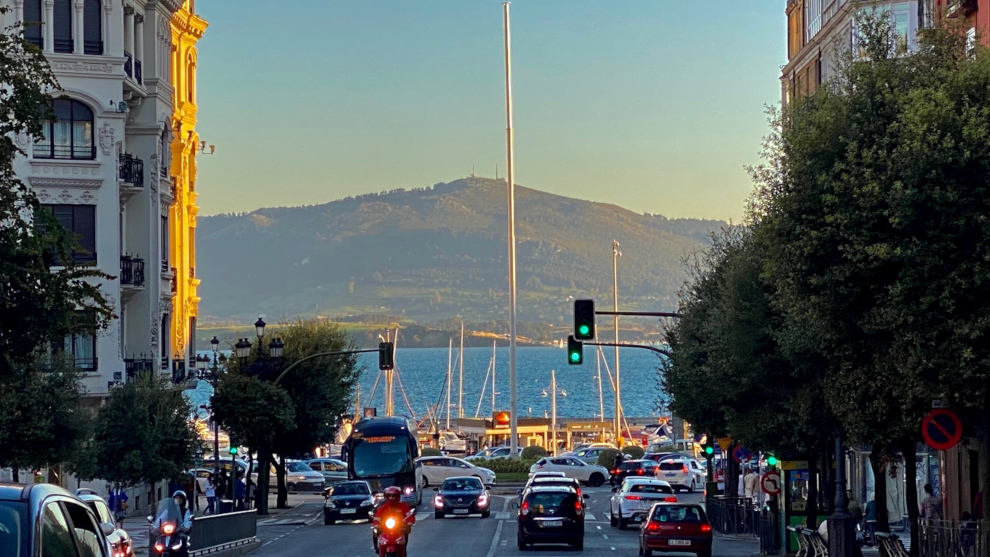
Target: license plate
{"type": "Point", "coordinates": [460, 511]}
{"type": "Point", "coordinates": [551, 523]}
{"type": "Point", "coordinates": [671, 474]}
{"type": "Point", "coordinates": [679, 542]}
{"type": "Point", "coordinates": [348, 511]}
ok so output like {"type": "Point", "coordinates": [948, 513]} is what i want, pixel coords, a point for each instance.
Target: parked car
{"type": "Point", "coordinates": [436, 469]}
{"type": "Point", "coordinates": [550, 514]}
{"type": "Point", "coordinates": [590, 454]}
{"type": "Point", "coordinates": [572, 467]}
{"type": "Point", "coordinates": [632, 501]}
{"type": "Point", "coordinates": [682, 474]}
{"type": "Point", "coordinates": [332, 469]}
{"type": "Point", "coordinates": [641, 468]}
{"type": "Point", "coordinates": [348, 500]}
{"type": "Point", "coordinates": [676, 527]}
{"type": "Point", "coordinates": [300, 477]}
{"type": "Point", "coordinates": [119, 539]}
{"type": "Point", "coordinates": [32, 513]}
{"type": "Point", "coordinates": [493, 452]}
{"type": "Point", "coordinates": [451, 443]}
{"type": "Point", "coordinates": [462, 495]}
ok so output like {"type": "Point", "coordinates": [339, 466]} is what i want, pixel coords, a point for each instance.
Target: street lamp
{"type": "Point", "coordinates": [243, 348]}
{"type": "Point", "coordinates": [215, 345]}
{"type": "Point", "coordinates": [275, 347]}
{"type": "Point", "coordinates": [259, 327]}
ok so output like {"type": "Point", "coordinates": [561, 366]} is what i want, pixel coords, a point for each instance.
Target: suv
{"type": "Point", "coordinates": [681, 473]}
{"type": "Point", "coordinates": [634, 468]}
{"type": "Point", "coordinates": [550, 514]}
{"type": "Point", "coordinates": [44, 519]}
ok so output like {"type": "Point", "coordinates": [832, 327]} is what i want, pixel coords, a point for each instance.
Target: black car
{"type": "Point", "coordinates": [549, 480]}
{"type": "Point", "coordinates": [641, 468]}
{"type": "Point", "coordinates": [351, 500]}
{"type": "Point", "coordinates": [32, 513]}
{"type": "Point", "coordinates": [461, 496]}
{"type": "Point", "coordinates": [551, 514]}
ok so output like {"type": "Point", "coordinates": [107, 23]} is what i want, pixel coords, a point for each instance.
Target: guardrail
{"type": "Point", "coordinates": [733, 515]}
{"type": "Point", "coordinates": [223, 532]}
{"type": "Point", "coordinates": [969, 538]}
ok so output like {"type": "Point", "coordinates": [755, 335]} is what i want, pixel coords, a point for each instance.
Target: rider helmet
{"type": "Point", "coordinates": [392, 493]}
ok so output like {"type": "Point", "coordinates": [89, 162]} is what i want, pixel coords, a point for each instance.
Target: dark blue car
{"type": "Point", "coordinates": [461, 496]}
{"type": "Point", "coordinates": [351, 500]}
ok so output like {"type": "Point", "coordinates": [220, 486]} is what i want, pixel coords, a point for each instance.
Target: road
{"type": "Point", "coordinates": [304, 534]}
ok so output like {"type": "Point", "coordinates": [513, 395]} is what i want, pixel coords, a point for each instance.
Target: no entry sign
{"type": "Point", "coordinates": [941, 429]}
{"type": "Point", "coordinates": [770, 483]}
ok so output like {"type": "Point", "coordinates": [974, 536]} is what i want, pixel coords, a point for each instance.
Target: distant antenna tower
{"type": "Point", "coordinates": [496, 171]}
{"type": "Point", "coordinates": [472, 171]}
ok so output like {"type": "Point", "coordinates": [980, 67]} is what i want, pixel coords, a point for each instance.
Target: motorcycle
{"type": "Point", "coordinates": [391, 534]}
{"type": "Point", "coordinates": [170, 541]}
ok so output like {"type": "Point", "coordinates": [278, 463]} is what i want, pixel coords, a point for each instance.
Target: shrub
{"type": "Point", "coordinates": [606, 457]}
{"type": "Point", "coordinates": [505, 465]}
{"type": "Point", "coordinates": [533, 453]}
{"type": "Point", "coordinates": [430, 451]}
{"type": "Point", "coordinates": [634, 451]}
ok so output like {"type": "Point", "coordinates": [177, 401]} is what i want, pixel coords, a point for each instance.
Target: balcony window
{"type": "Point", "coordinates": [131, 270]}
{"type": "Point", "coordinates": [92, 27]}
{"type": "Point", "coordinates": [69, 135]}
{"type": "Point", "coordinates": [32, 22]}
{"type": "Point", "coordinates": [80, 222]}
{"type": "Point", "coordinates": [63, 26]}
{"type": "Point", "coordinates": [81, 345]}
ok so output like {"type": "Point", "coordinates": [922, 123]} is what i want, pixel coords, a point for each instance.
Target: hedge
{"type": "Point", "coordinates": [533, 453]}
{"type": "Point", "coordinates": [503, 465]}
{"type": "Point", "coordinates": [430, 451]}
{"type": "Point", "coordinates": [634, 451]}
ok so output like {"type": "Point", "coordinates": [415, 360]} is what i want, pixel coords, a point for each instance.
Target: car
{"type": "Point", "coordinates": [493, 452]}
{"type": "Point", "coordinates": [681, 474]}
{"type": "Point", "coordinates": [632, 501]}
{"type": "Point", "coordinates": [679, 527]}
{"type": "Point", "coordinates": [35, 512]}
{"type": "Point", "coordinates": [348, 500]}
{"type": "Point", "coordinates": [451, 443]}
{"type": "Point", "coordinates": [550, 514]}
{"type": "Point", "coordinates": [572, 467]}
{"type": "Point", "coordinates": [119, 539]}
{"type": "Point", "coordinates": [642, 468]}
{"type": "Point", "coordinates": [436, 469]}
{"type": "Point", "coordinates": [332, 469]}
{"type": "Point", "coordinates": [462, 495]}
{"type": "Point", "coordinates": [590, 454]}
{"type": "Point", "coordinates": [300, 477]}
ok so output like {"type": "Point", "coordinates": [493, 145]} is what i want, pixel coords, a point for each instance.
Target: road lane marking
{"type": "Point", "coordinates": [498, 531]}
{"type": "Point", "coordinates": [605, 536]}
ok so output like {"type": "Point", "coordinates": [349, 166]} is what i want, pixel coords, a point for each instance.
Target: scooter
{"type": "Point", "coordinates": [170, 541]}
{"type": "Point", "coordinates": [391, 535]}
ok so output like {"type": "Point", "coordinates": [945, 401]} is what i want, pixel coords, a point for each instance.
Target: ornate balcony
{"type": "Point", "coordinates": [131, 170]}
{"type": "Point", "coordinates": [134, 366]}
{"type": "Point", "coordinates": [131, 271]}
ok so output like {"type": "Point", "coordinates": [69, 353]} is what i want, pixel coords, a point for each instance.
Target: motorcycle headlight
{"type": "Point", "coordinates": [390, 523]}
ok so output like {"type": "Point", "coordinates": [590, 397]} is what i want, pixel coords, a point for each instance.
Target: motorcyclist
{"type": "Point", "coordinates": [175, 511]}
{"type": "Point", "coordinates": [393, 505]}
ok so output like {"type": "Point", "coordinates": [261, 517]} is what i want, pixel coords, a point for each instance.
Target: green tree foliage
{"type": "Point", "coordinates": [534, 452]}
{"type": "Point", "coordinates": [143, 433]}
{"type": "Point", "coordinates": [430, 451]}
{"type": "Point", "coordinates": [634, 451]}
{"type": "Point", "coordinates": [253, 412]}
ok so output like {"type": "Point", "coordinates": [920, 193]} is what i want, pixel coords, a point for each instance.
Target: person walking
{"type": "Point", "coordinates": [211, 495]}
{"type": "Point", "coordinates": [239, 492]}
{"type": "Point", "coordinates": [751, 483]}
{"type": "Point", "coordinates": [931, 506]}
{"type": "Point", "coordinates": [117, 501]}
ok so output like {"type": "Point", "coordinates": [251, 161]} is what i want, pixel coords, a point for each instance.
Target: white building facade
{"type": "Point", "coordinates": [102, 167]}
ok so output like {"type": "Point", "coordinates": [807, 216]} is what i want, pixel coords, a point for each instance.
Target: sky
{"type": "Point", "coordinates": [654, 105]}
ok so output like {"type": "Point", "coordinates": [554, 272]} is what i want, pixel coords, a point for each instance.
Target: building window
{"type": "Point", "coordinates": [190, 80]}
{"type": "Point", "coordinates": [32, 22]}
{"type": "Point", "coordinates": [69, 135]}
{"type": "Point", "coordinates": [79, 221]}
{"type": "Point", "coordinates": [164, 241]}
{"type": "Point", "coordinates": [81, 345]}
{"type": "Point", "coordinates": [63, 26]}
{"type": "Point", "coordinates": [812, 18]}
{"type": "Point", "coordinates": [92, 27]}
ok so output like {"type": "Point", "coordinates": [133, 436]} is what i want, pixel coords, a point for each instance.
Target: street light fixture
{"type": "Point", "coordinates": [275, 347]}
{"type": "Point", "coordinates": [215, 345]}
{"type": "Point", "coordinates": [259, 327]}
{"type": "Point", "coordinates": [243, 348]}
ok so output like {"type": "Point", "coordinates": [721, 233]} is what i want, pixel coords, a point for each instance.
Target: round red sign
{"type": "Point", "coordinates": [941, 429]}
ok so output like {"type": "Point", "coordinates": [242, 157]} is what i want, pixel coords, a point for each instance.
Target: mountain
{"type": "Point", "coordinates": [431, 254]}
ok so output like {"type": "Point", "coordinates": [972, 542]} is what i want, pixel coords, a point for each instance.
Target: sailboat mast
{"type": "Point", "coordinates": [553, 412]}
{"type": "Point", "coordinates": [601, 399]}
{"type": "Point", "coordinates": [460, 376]}
{"type": "Point", "coordinates": [493, 377]}
{"type": "Point", "coordinates": [450, 350]}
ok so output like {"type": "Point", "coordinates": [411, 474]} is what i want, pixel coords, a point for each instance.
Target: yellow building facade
{"type": "Point", "coordinates": [187, 28]}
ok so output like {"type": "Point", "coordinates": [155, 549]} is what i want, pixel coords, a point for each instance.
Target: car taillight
{"type": "Point", "coordinates": [670, 499]}
{"type": "Point", "coordinates": [578, 507]}
{"type": "Point", "coordinates": [684, 469]}
{"type": "Point", "coordinates": [524, 509]}
{"type": "Point", "coordinates": [633, 497]}
{"type": "Point", "coordinates": [706, 528]}
{"type": "Point", "coordinates": [437, 501]}
{"type": "Point", "coordinates": [483, 500]}
{"type": "Point", "coordinates": [615, 472]}
{"type": "Point", "coordinates": [653, 527]}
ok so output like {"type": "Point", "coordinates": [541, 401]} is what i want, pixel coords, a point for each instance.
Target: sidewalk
{"type": "Point", "coordinates": [741, 545]}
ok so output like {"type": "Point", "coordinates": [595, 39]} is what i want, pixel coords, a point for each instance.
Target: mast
{"type": "Point", "coordinates": [601, 399]}
{"type": "Point", "coordinates": [493, 377]}
{"type": "Point", "coordinates": [510, 182]}
{"type": "Point", "coordinates": [450, 350]}
{"type": "Point", "coordinates": [553, 412]}
{"type": "Point", "coordinates": [460, 376]}
{"type": "Point", "coordinates": [389, 386]}
{"type": "Point", "coordinates": [615, 321]}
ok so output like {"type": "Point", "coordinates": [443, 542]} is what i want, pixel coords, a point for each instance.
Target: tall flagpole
{"type": "Point", "coordinates": [510, 181]}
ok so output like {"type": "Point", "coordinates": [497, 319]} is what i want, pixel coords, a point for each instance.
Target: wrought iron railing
{"type": "Point", "coordinates": [131, 270]}
{"type": "Point", "coordinates": [958, 538]}
{"type": "Point", "coordinates": [131, 170]}
{"type": "Point", "coordinates": [733, 515]}
{"type": "Point", "coordinates": [128, 64]}
{"type": "Point", "coordinates": [134, 366]}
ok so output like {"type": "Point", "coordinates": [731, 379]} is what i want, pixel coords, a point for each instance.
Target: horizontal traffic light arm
{"type": "Point", "coordinates": [321, 355]}
{"type": "Point", "coordinates": [630, 345]}
{"type": "Point", "coordinates": [639, 313]}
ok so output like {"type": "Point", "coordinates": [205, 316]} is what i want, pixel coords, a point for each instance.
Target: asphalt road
{"type": "Point", "coordinates": [302, 532]}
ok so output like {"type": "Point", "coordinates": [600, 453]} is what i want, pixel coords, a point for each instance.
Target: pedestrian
{"type": "Point", "coordinates": [751, 484]}
{"type": "Point", "coordinates": [250, 493]}
{"type": "Point", "coordinates": [211, 495]}
{"type": "Point", "coordinates": [239, 492]}
{"type": "Point", "coordinates": [870, 526]}
{"type": "Point", "coordinates": [221, 490]}
{"type": "Point", "coordinates": [931, 507]}
{"type": "Point", "coordinates": [117, 501]}
{"type": "Point", "coordinates": [967, 532]}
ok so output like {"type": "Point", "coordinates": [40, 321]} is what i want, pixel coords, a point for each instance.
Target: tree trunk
{"type": "Point", "coordinates": [15, 470]}
{"type": "Point", "coordinates": [812, 508]}
{"type": "Point", "coordinates": [879, 468]}
{"type": "Point", "coordinates": [910, 453]}
{"type": "Point", "coordinates": [282, 501]}
{"type": "Point", "coordinates": [828, 482]}
{"type": "Point", "coordinates": [264, 478]}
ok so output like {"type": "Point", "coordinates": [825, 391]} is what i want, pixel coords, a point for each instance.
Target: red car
{"type": "Point", "coordinates": [676, 527]}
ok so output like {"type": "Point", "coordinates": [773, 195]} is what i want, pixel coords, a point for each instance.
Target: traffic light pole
{"type": "Point", "coordinates": [639, 313]}
{"type": "Point", "coordinates": [630, 345]}
{"type": "Point", "coordinates": [321, 355]}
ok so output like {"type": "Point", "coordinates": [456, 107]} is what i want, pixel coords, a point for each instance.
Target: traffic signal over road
{"type": "Point", "coordinates": [771, 460]}
{"type": "Point", "coordinates": [708, 447]}
{"type": "Point", "coordinates": [233, 450]}
{"type": "Point", "coordinates": [386, 355]}
{"type": "Point", "coordinates": [584, 319]}
{"type": "Point", "coordinates": [575, 351]}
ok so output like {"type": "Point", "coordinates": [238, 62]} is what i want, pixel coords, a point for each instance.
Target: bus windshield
{"type": "Point", "coordinates": [381, 456]}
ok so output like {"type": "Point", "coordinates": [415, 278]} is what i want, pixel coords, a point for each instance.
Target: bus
{"type": "Point", "coordinates": [383, 452]}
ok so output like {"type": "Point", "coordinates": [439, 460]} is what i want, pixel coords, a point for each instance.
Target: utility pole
{"type": "Point", "coordinates": [553, 412]}
{"type": "Point", "coordinates": [615, 322]}
{"type": "Point", "coordinates": [460, 378]}
{"type": "Point", "coordinates": [510, 181]}
{"type": "Point", "coordinates": [450, 373]}
{"type": "Point", "coordinates": [389, 385]}
{"type": "Point", "coordinates": [601, 400]}
{"type": "Point", "coordinates": [493, 377]}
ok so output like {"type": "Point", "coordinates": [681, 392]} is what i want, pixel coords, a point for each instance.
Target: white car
{"type": "Point", "coordinates": [683, 473]}
{"type": "Point", "coordinates": [436, 469]}
{"type": "Point", "coordinates": [494, 452]}
{"type": "Point", "coordinates": [590, 454]}
{"type": "Point", "coordinates": [572, 467]}
{"type": "Point", "coordinates": [451, 443]}
{"type": "Point", "coordinates": [632, 501]}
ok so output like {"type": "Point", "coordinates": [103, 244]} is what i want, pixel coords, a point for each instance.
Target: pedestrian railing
{"type": "Point", "coordinates": [969, 538]}
{"type": "Point", "coordinates": [769, 533]}
{"type": "Point", "coordinates": [733, 515]}
{"type": "Point", "coordinates": [219, 532]}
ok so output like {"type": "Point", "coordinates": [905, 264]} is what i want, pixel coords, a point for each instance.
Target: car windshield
{"type": "Point", "coordinates": [298, 467]}
{"type": "Point", "coordinates": [351, 489]}
{"type": "Point", "coordinates": [13, 529]}
{"type": "Point", "coordinates": [629, 466]}
{"type": "Point", "coordinates": [672, 465]}
{"type": "Point", "coordinates": [678, 513]}
{"type": "Point", "coordinates": [650, 488]}
{"type": "Point", "coordinates": [382, 457]}
{"type": "Point", "coordinates": [461, 484]}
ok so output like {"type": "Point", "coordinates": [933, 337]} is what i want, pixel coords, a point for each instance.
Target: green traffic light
{"type": "Point", "coordinates": [584, 329]}
{"type": "Point", "coordinates": [575, 357]}
{"type": "Point", "coordinates": [709, 450]}
{"type": "Point", "coordinates": [233, 450]}
{"type": "Point", "coordinates": [771, 460]}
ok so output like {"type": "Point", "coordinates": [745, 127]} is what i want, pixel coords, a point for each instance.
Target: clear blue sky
{"type": "Point", "coordinates": [655, 105]}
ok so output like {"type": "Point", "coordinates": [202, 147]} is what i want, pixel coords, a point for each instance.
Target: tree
{"type": "Point", "coordinates": [143, 434]}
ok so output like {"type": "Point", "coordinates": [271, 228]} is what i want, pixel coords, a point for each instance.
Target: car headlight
{"type": "Point", "coordinates": [409, 490]}
{"type": "Point", "coordinates": [367, 503]}
{"type": "Point", "coordinates": [331, 505]}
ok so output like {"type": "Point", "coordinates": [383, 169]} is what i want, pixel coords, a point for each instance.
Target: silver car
{"type": "Point", "coordinates": [300, 477]}
{"type": "Point", "coordinates": [631, 502]}
{"type": "Point", "coordinates": [119, 539]}
{"type": "Point", "coordinates": [332, 469]}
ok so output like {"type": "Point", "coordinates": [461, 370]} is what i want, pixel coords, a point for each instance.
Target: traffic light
{"type": "Point", "coordinates": [771, 460]}
{"type": "Point", "coordinates": [575, 351]}
{"type": "Point", "coordinates": [708, 447]}
{"type": "Point", "coordinates": [584, 319]}
{"type": "Point", "coordinates": [233, 450]}
{"type": "Point", "coordinates": [386, 355]}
